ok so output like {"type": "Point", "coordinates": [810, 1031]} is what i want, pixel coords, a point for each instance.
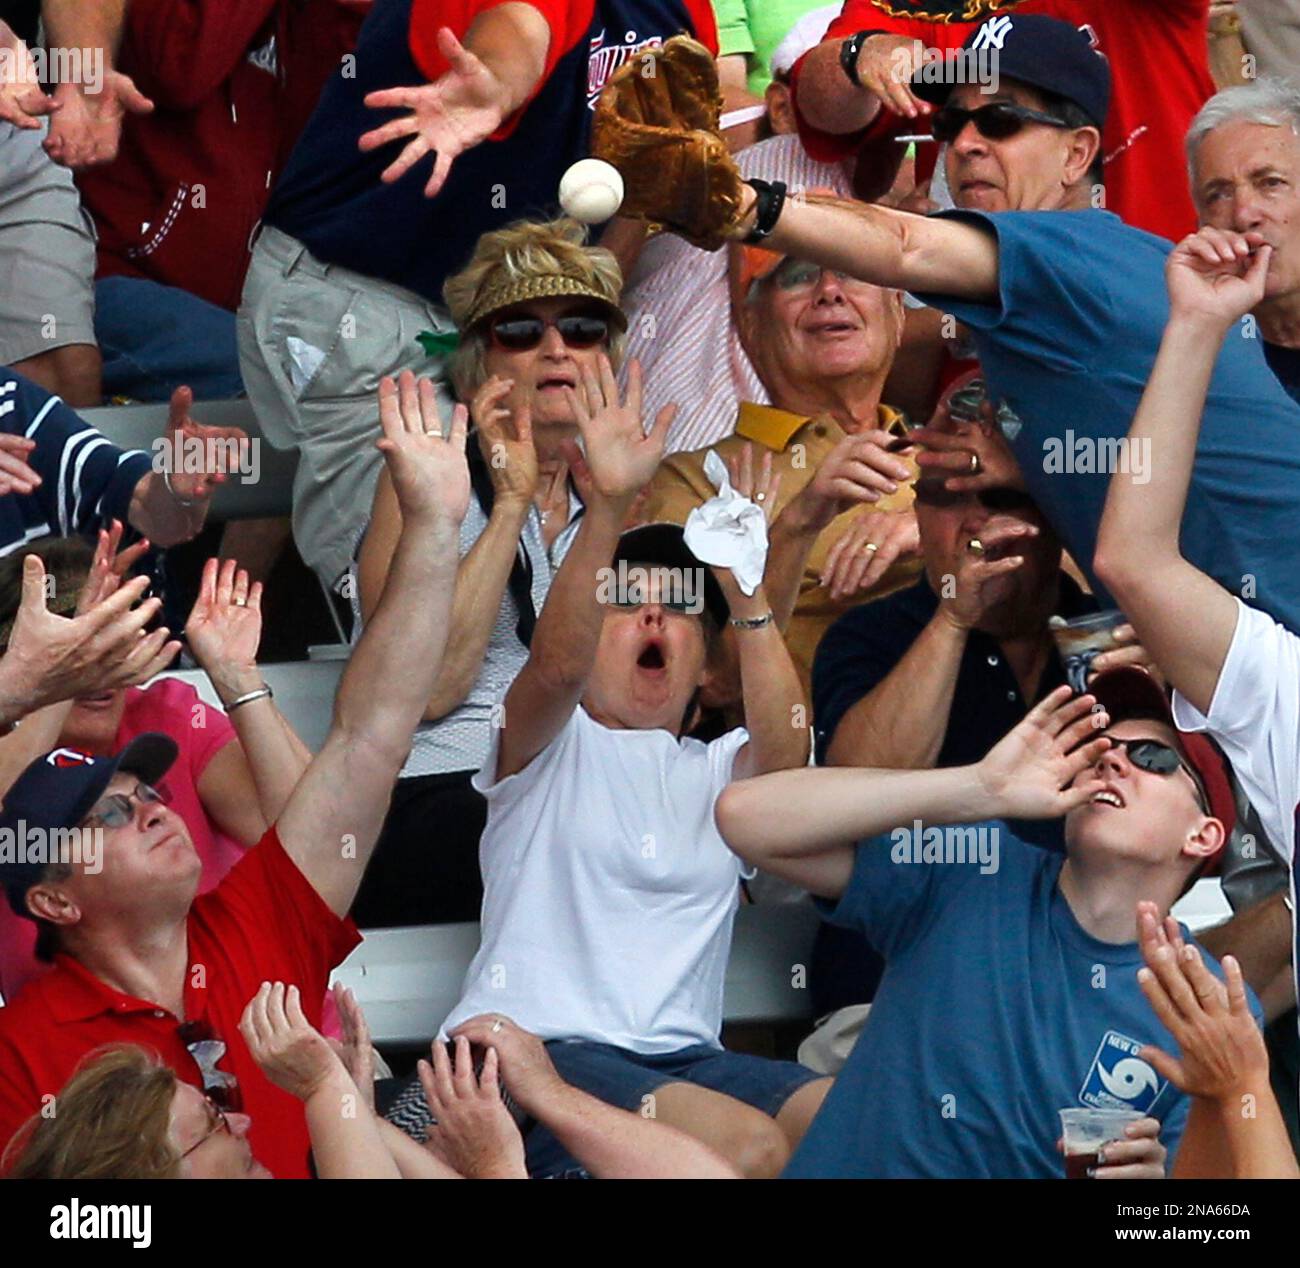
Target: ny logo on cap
{"type": "Point", "coordinates": [993, 34]}
{"type": "Point", "coordinates": [63, 757]}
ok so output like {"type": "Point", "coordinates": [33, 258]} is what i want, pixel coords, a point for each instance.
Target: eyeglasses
{"type": "Point", "coordinates": [115, 811]}
{"type": "Point", "coordinates": [798, 275]}
{"type": "Point", "coordinates": [1157, 758]}
{"type": "Point", "coordinates": [218, 1121]}
{"type": "Point", "coordinates": [995, 122]}
{"type": "Point", "coordinates": [521, 332]}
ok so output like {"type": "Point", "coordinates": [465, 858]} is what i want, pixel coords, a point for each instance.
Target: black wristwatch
{"type": "Point", "coordinates": [849, 51]}
{"type": "Point", "coordinates": [767, 209]}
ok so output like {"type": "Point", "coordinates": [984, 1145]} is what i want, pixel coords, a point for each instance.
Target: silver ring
{"type": "Point", "coordinates": [760, 497]}
{"type": "Point", "coordinates": [870, 547]}
{"type": "Point", "coordinates": [498, 1026]}
{"type": "Point", "coordinates": [974, 464]}
{"type": "Point", "coordinates": [975, 546]}
{"type": "Point", "coordinates": [241, 603]}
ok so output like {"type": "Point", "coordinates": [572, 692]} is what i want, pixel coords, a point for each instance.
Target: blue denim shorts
{"type": "Point", "coordinates": [619, 1077]}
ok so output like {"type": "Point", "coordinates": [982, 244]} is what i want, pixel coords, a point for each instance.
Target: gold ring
{"type": "Point", "coordinates": [760, 497]}
{"type": "Point", "coordinates": [974, 464]}
{"type": "Point", "coordinates": [870, 547]}
{"type": "Point", "coordinates": [975, 546]}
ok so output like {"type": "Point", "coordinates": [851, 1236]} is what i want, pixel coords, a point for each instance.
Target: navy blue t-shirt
{"type": "Point", "coordinates": [1070, 344]}
{"type": "Point", "coordinates": [86, 480]}
{"type": "Point", "coordinates": [996, 1011]}
{"type": "Point", "coordinates": [330, 196]}
{"type": "Point", "coordinates": [1285, 363]}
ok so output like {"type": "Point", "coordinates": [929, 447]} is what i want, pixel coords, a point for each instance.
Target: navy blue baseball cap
{"type": "Point", "coordinates": [664, 545]}
{"type": "Point", "coordinates": [58, 790]}
{"type": "Point", "coordinates": [1045, 53]}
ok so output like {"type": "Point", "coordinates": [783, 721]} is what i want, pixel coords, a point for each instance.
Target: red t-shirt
{"type": "Point", "coordinates": [1159, 60]}
{"type": "Point", "coordinates": [263, 922]}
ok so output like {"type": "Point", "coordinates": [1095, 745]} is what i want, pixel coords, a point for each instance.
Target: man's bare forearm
{"type": "Point", "coordinates": [614, 1144]}
{"type": "Point", "coordinates": [1182, 617]}
{"type": "Point", "coordinates": [900, 724]}
{"type": "Point", "coordinates": [1258, 1141]}
{"type": "Point", "coordinates": [826, 98]}
{"type": "Point", "coordinates": [1259, 938]}
{"type": "Point", "coordinates": [333, 818]}
{"type": "Point", "coordinates": [512, 40]}
{"type": "Point", "coordinates": [791, 545]}
{"type": "Point", "coordinates": [84, 24]}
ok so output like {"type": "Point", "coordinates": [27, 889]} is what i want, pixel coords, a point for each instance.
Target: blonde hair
{"type": "Point", "coordinates": [527, 260]}
{"type": "Point", "coordinates": [111, 1121]}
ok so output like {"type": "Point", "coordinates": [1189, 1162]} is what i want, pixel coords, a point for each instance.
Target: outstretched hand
{"type": "Point", "coordinates": [461, 108]}
{"type": "Point", "coordinates": [1040, 769]}
{"type": "Point", "coordinates": [225, 625]}
{"type": "Point", "coordinates": [291, 1052]}
{"type": "Point", "coordinates": [430, 475]}
{"type": "Point", "coordinates": [1223, 1052]}
{"type": "Point", "coordinates": [620, 457]}
{"type": "Point", "coordinates": [1217, 274]}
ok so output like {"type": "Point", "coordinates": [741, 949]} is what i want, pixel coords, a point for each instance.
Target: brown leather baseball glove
{"type": "Point", "coordinates": [657, 122]}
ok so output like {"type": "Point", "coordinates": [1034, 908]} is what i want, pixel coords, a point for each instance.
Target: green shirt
{"type": "Point", "coordinates": [755, 28]}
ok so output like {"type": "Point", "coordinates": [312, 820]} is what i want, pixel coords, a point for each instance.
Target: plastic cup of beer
{"type": "Point", "coordinates": [1087, 1131]}
{"type": "Point", "coordinates": [1081, 641]}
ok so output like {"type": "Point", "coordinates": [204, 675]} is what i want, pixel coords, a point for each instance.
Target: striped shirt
{"type": "Point", "coordinates": [86, 480]}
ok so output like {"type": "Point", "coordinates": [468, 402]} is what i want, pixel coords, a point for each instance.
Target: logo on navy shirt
{"type": "Point", "coordinates": [1119, 1078]}
{"type": "Point", "coordinates": [63, 757]}
{"type": "Point", "coordinates": [604, 59]}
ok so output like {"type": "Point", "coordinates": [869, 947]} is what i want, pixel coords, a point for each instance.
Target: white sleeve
{"type": "Point", "coordinates": [1255, 718]}
{"type": "Point", "coordinates": [485, 778]}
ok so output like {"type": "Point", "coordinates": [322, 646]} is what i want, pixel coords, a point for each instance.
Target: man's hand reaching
{"type": "Point", "coordinates": [1040, 770]}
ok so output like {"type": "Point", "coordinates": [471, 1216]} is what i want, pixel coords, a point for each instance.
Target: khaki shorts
{"type": "Point", "coordinates": [47, 252]}
{"type": "Point", "coordinates": [314, 341]}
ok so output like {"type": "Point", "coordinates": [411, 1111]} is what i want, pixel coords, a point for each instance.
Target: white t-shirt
{"type": "Point", "coordinates": [609, 895]}
{"type": "Point", "coordinates": [1255, 717]}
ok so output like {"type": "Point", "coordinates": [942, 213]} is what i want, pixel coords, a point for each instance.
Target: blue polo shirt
{"type": "Point", "coordinates": [86, 480]}
{"type": "Point", "coordinates": [1070, 343]}
{"type": "Point", "coordinates": [996, 1011]}
{"type": "Point", "coordinates": [331, 199]}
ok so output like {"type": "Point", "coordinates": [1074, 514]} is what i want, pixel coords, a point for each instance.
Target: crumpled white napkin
{"type": "Point", "coordinates": [729, 531]}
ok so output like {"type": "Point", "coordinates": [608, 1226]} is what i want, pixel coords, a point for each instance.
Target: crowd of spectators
{"type": "Point", "coordinates": [677, 581]}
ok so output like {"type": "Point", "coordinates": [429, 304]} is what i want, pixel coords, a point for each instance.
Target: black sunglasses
{"type": "Point", "coordinates": [206, 1049]}
{"type": "Point", "coordinates": [999, 501]}
{"type": "Point", "coordinates": [521, 332]}
{"type": "Point", "coordinates": [1157, 758]}
{"type": "Point", "coordinates": [995, 122]}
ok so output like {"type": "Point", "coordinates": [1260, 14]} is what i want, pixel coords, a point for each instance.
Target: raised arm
{"type": "Point", "coordinates": [772, 693]}
{"type": "Point", "coordinates": [1184, 619]}
{"type": "Point", "coordinates": [247, 785]}
{"type": "Point", "coordinates": [621, 458]}
{"type": "Point", "coordinates": [888, 247]}
{"type": "Point", "coordinates": [332, 821]}
{"type": "Point", "coordinates": [488, 76]}
{"type": "Point", "coordinates": [1036, 772]}
{"type": "Point", "coordinates": [884, 67]}
{"type": "Point", "coordinates": [485, 571]}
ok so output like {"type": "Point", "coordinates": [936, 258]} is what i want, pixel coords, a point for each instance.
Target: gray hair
{"type": "Point", "coordinates": [1268, 100]}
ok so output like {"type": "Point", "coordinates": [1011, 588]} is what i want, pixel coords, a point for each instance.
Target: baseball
{"type": "Point", "coordinates": [591, 191]}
